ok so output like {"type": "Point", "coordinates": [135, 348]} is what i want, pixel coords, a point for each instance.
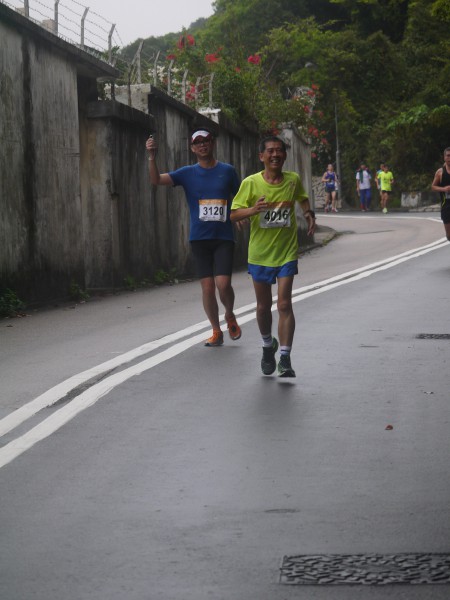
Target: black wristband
{"type": "Point", "coordinates": [310, 212]}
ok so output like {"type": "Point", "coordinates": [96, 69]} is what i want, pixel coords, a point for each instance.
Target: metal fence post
{"type": "Point", "coordinates": [155, 69]}
{"type": "Point", "coordinates": [138, 61]}
{"type": "Point", "coordinates": [169, 78]}
{"type": "Point", "coordinates": [197, 85]}
{"type": "Point", "coordinates": [211, 90]}
{"type": "Point", "coordinates": [86, 10]}
{"type": "Point", "coordinates": [183, 87]}
{"type": "Point", "coordinates": [110, 43]}
{"type": "Point", "coordinates": [55, 24]}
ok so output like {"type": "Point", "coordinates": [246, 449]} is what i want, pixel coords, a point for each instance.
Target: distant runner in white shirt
{"type": "Point", "coordinates": [363, 187]}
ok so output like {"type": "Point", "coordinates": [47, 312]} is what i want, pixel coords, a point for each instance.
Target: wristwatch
{"type": "Point", "coordinates": [310, 212]}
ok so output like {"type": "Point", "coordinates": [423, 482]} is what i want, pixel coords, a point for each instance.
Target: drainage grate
{"type": "Point", "coordinates": [433, 336]}
{"type": "Point", "coordinates": [365, 569]}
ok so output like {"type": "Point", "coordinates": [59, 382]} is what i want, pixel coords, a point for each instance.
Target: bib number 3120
{"type": "Point", "coordinates": [212, 210]}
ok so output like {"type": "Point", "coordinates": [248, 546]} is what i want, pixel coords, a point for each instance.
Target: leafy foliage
{"type": "Point", "coordinates": [381, 66]}
{"type": "Point", "coordinates": [77, 293]}
{"type": "Point", "coordinates": [10, 304]}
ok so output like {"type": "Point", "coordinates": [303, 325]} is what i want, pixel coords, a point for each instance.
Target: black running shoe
{"type": "Point", "coordinates": [268, 362]}
{"type": "Point", "coordinates": [284, 366]}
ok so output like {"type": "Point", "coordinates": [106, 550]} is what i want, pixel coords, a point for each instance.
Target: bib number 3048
{"type": "Point", "coordinates": [275, 217]}
{"type": "Point", "coordinates": [212, 210]}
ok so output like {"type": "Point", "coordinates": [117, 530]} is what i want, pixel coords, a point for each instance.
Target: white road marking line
{"type": "Point", "coordinates": [98, 390]}
{"type": "Point", "coordinates": [57, 392]}
{"type": "Point", "coordinates": [391, 259]}
{"type": "Point", "coordinates": [381, 217]}
{"type": "Point", "coordinates": [362, 274]}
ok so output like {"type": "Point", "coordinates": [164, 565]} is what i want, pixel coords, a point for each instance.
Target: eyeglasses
{"type": "Point", "coordinates": [203, 141]}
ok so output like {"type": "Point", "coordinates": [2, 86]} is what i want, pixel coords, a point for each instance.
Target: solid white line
{"type": "Point", "coordinates": [97, 391]}
{"type": "Point", "coordinates": [57, 392]}
{"type": "Point", "coordinates": [383, 217]}
{"type": "Point", "coordinates": [363, 274]}
{"type": "Point", "coordinates": [86, 399]}
{"type": "Point", "coordinates": [432, 246]}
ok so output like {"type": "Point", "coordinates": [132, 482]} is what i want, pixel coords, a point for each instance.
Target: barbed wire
{"type": "Point", "coordinates": [97, 39]}
{"type": "Point", "coordinates": [67, 11]}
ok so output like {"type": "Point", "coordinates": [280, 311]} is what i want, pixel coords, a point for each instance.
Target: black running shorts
{"type": "Point", "coordinates": [213, 257]}
{"type": "Point", "coordinates": [445, 213]}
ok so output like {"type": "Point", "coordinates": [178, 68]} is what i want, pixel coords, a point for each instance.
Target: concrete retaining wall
{"type": "Point", "coordinates": [41, 236]}
{"type": "Point", "coordinates": [419, 199]}
{"type": "Point", "coordinates": [76, 204]}
{"type": "Point", "coordinates": [41, 212]}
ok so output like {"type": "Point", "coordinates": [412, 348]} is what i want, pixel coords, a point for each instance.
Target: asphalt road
{"type": "Point", "coordinates": [137, 464]}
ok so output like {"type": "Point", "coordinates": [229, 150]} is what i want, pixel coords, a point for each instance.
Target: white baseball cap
{"type": "Point", "coordinates": [201, 133]}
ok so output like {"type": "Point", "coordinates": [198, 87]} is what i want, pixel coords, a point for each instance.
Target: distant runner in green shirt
{"type": "Point", "coordinates": [384, 182]}
{"type": "Point", "coordinates": [268, 199]}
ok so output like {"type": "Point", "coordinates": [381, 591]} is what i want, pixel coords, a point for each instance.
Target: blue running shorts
{"type": "Point", "coordinates": [270, 274]}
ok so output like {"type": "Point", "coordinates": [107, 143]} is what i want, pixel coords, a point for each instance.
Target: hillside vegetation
{"type": "Point", "coordinates": [381, 66]}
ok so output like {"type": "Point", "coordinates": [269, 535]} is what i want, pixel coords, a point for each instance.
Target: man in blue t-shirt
{"type": "Point", "coordinates": [209, 187]}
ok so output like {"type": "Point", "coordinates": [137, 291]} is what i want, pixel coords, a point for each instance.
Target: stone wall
{"type": "Point", "coordinates": [76, 205]}
{"type": "Point", "coordinates": [41, 235]}
{"type": "Point", "coordinates": [319, 193]}
{"type": "Point", "coordinates": [419, 199]}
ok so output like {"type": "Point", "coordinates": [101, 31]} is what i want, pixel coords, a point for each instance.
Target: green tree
{"type": "Point", "coordinates": [369, 16]}
{"type": "Point", "coordinates": [381, 64]}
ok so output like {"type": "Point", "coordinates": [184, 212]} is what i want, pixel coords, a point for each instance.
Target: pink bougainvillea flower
{"type": "Point", "coordinates": [211, 58]}
{"type": "Point", "coordinates": [171, 57]}
{"type": "Point", "coordinates": [255, 59]}
{"type": "Point", "coordinates": [190, 92]}
{"type": "Point", "coordinates": [184, 40]}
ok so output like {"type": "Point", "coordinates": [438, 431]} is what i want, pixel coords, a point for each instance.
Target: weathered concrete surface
{"type": "Point", "coordinates": [41, 236]}
{"type": "Point", "coordinates": [418, 199]}
{"type": "Point", "coordinates": [76, 205]}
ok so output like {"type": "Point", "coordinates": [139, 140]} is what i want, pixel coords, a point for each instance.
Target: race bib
{"type": "Point", "coordinates": [278, 215]}
{"type": "Point", "coordinates": [212, 210]}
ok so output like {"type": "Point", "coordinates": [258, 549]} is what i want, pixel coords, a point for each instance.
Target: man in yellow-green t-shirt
{"type": "Point", "coordinates": [268, 199]}
{"type": "Point", "coordinates": [384, 183]}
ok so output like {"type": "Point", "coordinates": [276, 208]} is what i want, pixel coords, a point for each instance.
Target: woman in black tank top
{"type": "Point", "coordinates": [441, 184]}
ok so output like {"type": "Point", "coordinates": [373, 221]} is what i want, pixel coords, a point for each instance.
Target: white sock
{"type": "Point", "coordinates": [267, 340]}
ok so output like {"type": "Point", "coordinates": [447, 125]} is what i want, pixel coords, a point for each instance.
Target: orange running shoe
{"type": "Point", "coordinates": [233, 328]}
{"type": "Point", "coordinates": [216, 339]}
